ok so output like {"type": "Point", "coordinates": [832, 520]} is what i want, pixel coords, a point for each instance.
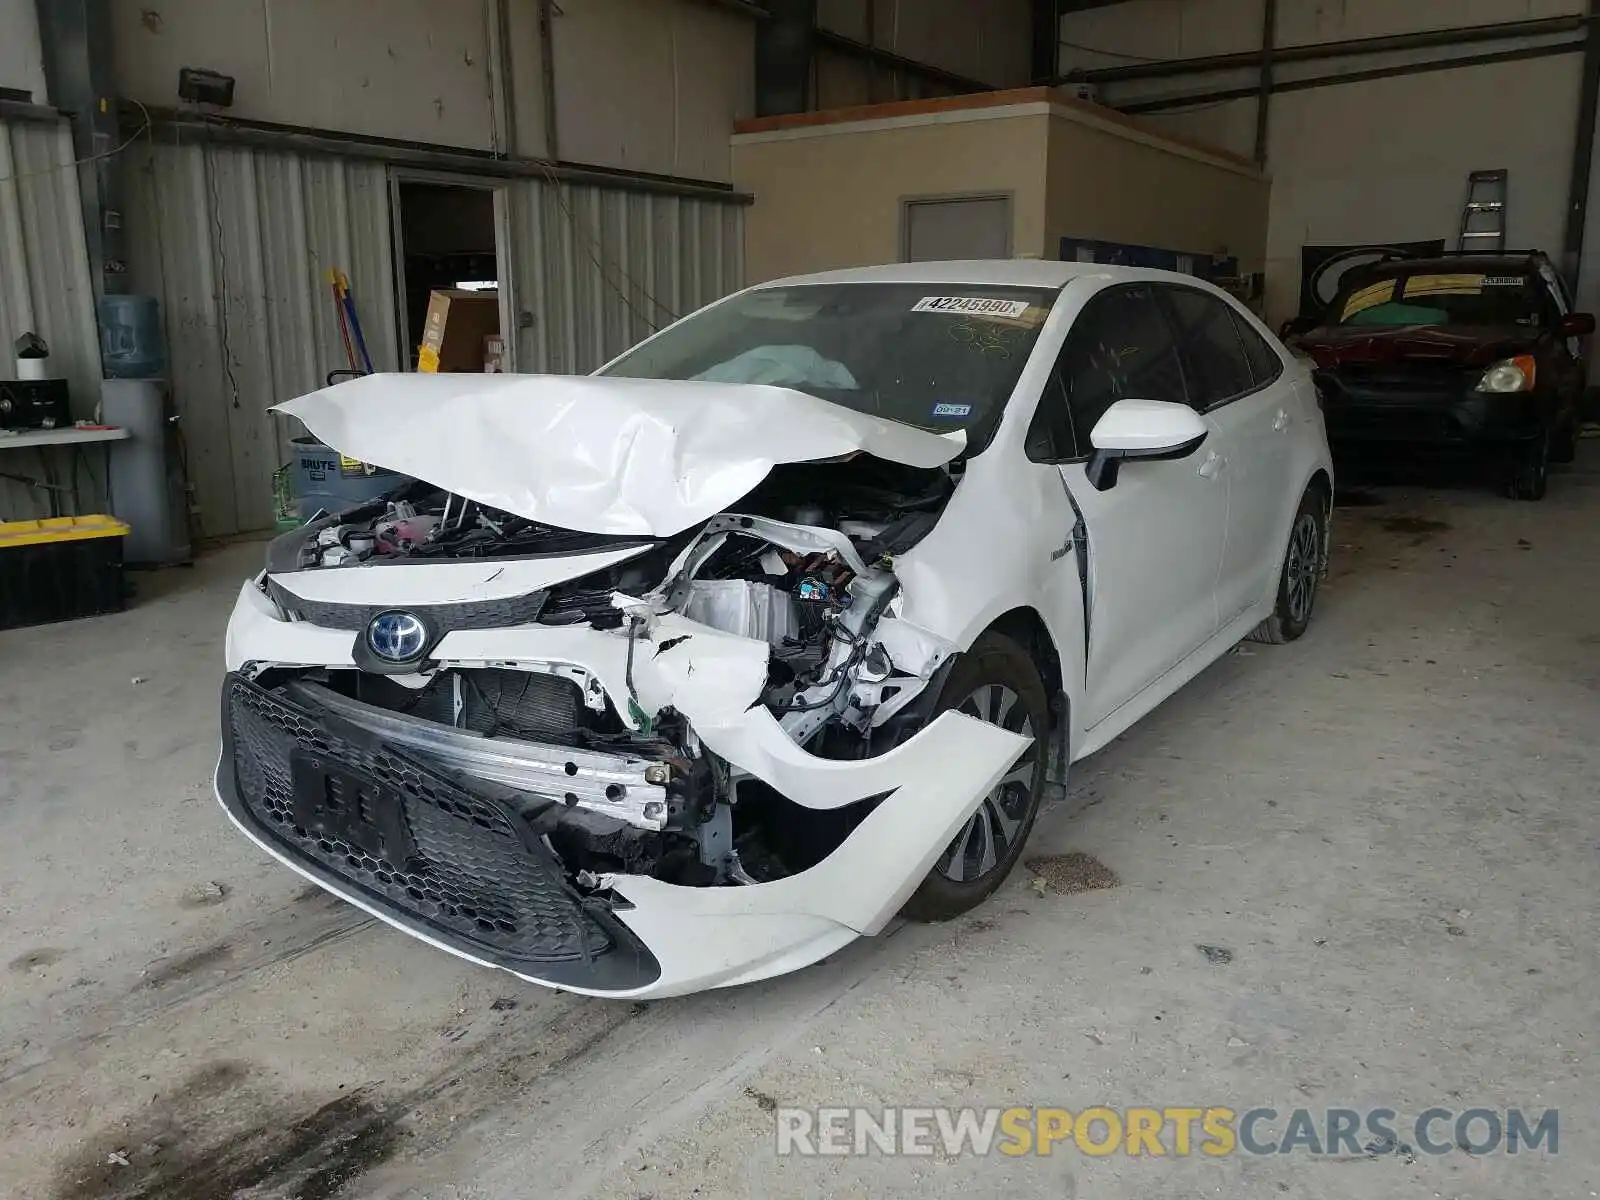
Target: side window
{"type": "Point", "coordinates": [1118, 349]}
{"type": "Point", "coordinates": [1213, 355]}
{"type": "Point", "coordinates": [1050, 437]}
{"type": "Point", "coordinates": [1265, 365]}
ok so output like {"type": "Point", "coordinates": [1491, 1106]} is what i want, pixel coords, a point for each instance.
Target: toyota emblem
{"type": "Point", "coordinates": [397, 637]}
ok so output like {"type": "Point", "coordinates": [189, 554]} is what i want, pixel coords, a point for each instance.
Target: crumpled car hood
{"type": "Point", "coordinates": [599, 455]}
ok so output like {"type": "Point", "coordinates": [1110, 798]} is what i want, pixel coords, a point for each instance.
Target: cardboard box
{"type": "Point", "coordinates": [494, 354]}
{"type": "Point", "coordinates": [454, 331]}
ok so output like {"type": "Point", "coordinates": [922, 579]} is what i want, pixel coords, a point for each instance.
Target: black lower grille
{"type": "Point", "coordinates": [1397, 423]}
{"type": "Point", "coordinates": [472, 876]}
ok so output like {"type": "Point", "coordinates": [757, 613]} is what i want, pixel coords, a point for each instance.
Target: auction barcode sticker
{"type": "Point", "coordinates": [975, 306]}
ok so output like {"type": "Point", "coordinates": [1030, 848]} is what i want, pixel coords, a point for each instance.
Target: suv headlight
{"type": "Point", "coordinates": [1510, 375]}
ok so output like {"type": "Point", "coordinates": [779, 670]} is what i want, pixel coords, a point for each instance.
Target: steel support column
{"type": "Point", "coordinates": [1583, 150]}
{"type": "Point", "coordinates": [1269, 38]}
{"type": "Point", "coordinates": [75, 36]}
{"type": "Point", "coordinates": [785, 45]}
{"type": "Point", "coordinates": [1046, 58]}
{"type": "Point", "coordinates": [76, 40]}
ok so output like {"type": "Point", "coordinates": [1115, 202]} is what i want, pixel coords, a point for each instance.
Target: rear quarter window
{"type": "Point", "coordinates": [1265, 364]}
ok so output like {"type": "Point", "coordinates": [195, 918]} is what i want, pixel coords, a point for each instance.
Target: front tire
{"type": "Point", "coordinates": [1530, 473]}
{"type": "Point", "coordinates": [995, 681]}
{"type": "Point", "coordinates": [1301, 574]}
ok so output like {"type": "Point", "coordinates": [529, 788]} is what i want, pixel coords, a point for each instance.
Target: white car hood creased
{"type": "Point", "coordinates": [600, 455]}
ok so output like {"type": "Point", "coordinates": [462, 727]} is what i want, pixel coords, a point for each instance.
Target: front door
{"type": "Point", "coordinates": [1155, 538]}
{"type": "Point", "coordinates": [1155, 544]}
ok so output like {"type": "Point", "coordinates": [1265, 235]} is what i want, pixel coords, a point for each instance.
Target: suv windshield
{"type": "Point", "coordinates": [1434, 298]}
{"type": "Point", "coordinates": [940, 357]}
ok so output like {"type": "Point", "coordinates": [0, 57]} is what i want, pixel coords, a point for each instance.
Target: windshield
{"type": "Point", "coordinates": [1439, 299]}
{"type": "Point", "coordinates": [940, 357]}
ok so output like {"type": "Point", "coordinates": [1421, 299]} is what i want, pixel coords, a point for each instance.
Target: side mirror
{"type": "Point", "coordinates": [1295, 326]}
{"type": "Point", "coordinates": [1577, 324]}
{"type": "Point", "coordinates": [1141, 429]}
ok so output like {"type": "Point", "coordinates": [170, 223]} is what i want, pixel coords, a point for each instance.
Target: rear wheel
{"type": "Point", "coordinates": [1301, 575]}
{"type": "Point", "coordinates": [1530, 471]}
{"type": "Point", "coordinates": [997, 682]}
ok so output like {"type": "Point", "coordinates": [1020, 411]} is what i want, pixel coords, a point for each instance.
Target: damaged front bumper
{"type": "Point", "coordinates": [430, 836]}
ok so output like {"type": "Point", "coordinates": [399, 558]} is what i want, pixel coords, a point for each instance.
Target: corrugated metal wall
{"type": "Point", "coordinates": [597, 269]}
{"type": "Point", "coordinates": [237, 243]}
{"type": "Point", "coordinates": [44, 284]}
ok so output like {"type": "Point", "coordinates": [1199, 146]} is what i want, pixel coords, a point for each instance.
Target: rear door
{"type": "Point", "coordinates": [1155, 539]}
{"type": "Point", "coordinates": [1236, 380]}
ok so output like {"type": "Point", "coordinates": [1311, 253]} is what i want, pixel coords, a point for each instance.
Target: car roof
{"type": "Point", "coordinates": [994, 272]}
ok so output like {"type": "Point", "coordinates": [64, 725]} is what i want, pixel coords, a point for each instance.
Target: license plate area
{"type": "Point", "coordinates": [336, 802]}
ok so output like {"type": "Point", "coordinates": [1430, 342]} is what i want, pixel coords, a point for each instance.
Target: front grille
{"type": "Point", "coordinates": [1395, 423]}
{"type": "Point", "coordinates": [1397, 385]}
{"type": "Point", "coordinates": [471, 614]}
{"type": "Point", "coordinates": [1433, 374]}
{"type": "Point", "coordinates": [473, 876]}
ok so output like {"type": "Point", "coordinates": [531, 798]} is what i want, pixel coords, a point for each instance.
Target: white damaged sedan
{"type": "Point", "coordinates": [689, 672]}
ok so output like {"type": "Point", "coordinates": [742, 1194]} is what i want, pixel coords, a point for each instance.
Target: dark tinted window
{"type": "Point", "coordinates": [1119, 349]}
{"type": "Point", "coordinates": [1051, 437]}
{"type": "Point", "coordinates": [1265, 365]}
{"type": "Point", "coordinates": [1213, 355]}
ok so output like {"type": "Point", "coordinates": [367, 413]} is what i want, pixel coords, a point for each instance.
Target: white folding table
{"type": "Point", "coordinates": [75, 441]}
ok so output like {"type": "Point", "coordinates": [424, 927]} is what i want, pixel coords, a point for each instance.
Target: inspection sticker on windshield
{"type": "Point", "coordinates": [972, 306]}
{"type": "Point", "coordinates": [952, 410]}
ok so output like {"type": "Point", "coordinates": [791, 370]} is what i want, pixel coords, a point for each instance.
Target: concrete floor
{"type": "Point", "coordinates": [1391, 824]}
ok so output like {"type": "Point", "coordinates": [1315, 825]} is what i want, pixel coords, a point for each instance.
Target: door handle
{"type": "Point", "coordinates": [1280, 421]}
{"type": "Point", "coordinates": [1212, 464]}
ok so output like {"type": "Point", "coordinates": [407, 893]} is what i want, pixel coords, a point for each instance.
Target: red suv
{"type": "Point", "coordinates": [1474, 352]}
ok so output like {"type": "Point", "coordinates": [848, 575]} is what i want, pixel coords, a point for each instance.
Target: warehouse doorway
{"type": "Point", "coordinates": [448, 254]}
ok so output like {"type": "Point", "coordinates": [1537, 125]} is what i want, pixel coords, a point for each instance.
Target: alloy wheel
{"type": "Point", "coordinates": [1301, 570]}
{"type": "Point", "coordinates": [988, 839]}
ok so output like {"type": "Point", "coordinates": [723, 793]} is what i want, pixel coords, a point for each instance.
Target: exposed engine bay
{"type": "Point", "coordinates": [638, 688]}
{"type": "Point", "coordinates": [804, 563]}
